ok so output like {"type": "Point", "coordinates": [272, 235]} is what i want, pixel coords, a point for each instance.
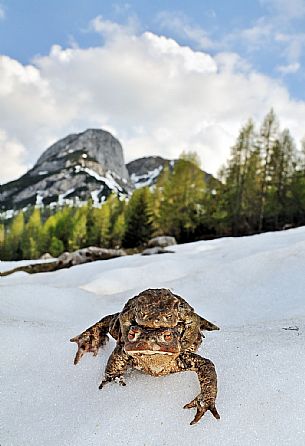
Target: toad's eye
{"type": "Point", "coordinates": [167, 336]}
{"type": "Point", "coordinates": [133, 333]}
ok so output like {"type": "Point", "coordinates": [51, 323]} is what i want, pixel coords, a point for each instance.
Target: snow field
{"type": "Point", "coordinates": [252, 287]}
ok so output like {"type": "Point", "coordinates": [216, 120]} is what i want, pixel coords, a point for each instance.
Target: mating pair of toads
{"type": "Point", "coordinates": [158, 333]}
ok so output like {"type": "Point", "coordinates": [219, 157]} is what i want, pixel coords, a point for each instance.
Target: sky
{"type": "Point", "coordinates": [162, 76]}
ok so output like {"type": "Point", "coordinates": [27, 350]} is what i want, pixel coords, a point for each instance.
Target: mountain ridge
{"type": "Point", "coordinates": [79, 167]}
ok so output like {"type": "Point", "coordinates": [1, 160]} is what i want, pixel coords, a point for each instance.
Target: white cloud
{"type": "Point", "coordinates": [121, 8]}
{"type": "Point", "coordinates": [258, 33]}
{"type": "Point", "coordinates": [286, 9]}
{"type": "Point", "coordinates": [182, 27]}
{"type": "Point", "coordinates": [2, 12]}
{"type": "Point", "coordinates": [289, 69]}
{"type": "Point", "coordinates": [156, 96]}
{"type": "Point", "coordinates": [110, 29]}
{"type": "Point", "coordinates": [11, 151]}
{"type": "Point", "coordinates": [294, 44]}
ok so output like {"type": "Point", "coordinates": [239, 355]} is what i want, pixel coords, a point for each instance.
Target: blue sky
{"type": "Point", "coordinates": [182, 75]}
{"type": "Point", "coordinates": [268, 34]}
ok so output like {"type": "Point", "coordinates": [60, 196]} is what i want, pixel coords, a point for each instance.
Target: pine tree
{"type": "Point", "coordinates": [237, 177]}
{"type": "Point", "coordinates": [13, 241]}
{"type": "Point", "coordinates": [78, 234]}
{"type": "Point", "coordinates": [282, 166]}
{"type": "Point", "coordinates": [118, 230]}
{"type": "Point", "coordinates": [32, 236]}
{"type": "Point", "coordinates": [138, 223]}
{"type": "Point", "coordinates": [180, 208]}
{"type": "Point", "coordinates": [92, 225]}
{"type": "Point", "coordinates": [268, 142]}
{"type": "Point", "coordinates": [56, 247]}
{"type": "Point", "coordinates": [105, 225]}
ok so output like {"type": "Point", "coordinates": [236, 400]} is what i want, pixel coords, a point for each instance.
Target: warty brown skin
{"type": "Point", "coordinates": [151, 341]}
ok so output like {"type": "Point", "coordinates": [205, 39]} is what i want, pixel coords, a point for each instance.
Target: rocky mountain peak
{"type": "Point", "coordinates": [93, 145]}
{"type": "Point", "coordinates": [78, 167]}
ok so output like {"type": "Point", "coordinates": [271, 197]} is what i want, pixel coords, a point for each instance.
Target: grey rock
{"type": "Point", "coordinates": [156, 250]}
{"type": "Point", "coordinates": [146, 171]}
{"type": "Point", "coordinates": [96, 144]}
{"type": "Point", "coordinates": [90, 254]}
{"type": "Point", "coordinates": [66, 260]}
{"type": "Point", "coordinates": [46, 256]}
{"type": "Point", "coordinates": [162, 241]}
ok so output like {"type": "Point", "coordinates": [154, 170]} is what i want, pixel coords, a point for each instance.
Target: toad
{"type": "Point", "coordinates": [157, 332]}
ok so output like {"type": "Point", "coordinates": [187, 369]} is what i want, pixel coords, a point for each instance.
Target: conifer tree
{"type": "Point", "coordinates": [78, 232]}
{"type": "Point", "coordinates": [282, 165]}
{"type": "Point", "coordinates": [56, 247]}
{"type": "Point", "coordinates": [118, 230]}
{"type": "Point", "coordinates": [13, 242]}
{"type": "Point", "coordinates": [237, 179]}
{"type": "Point", "coordinates": [138, 224]}
{"type": "Point", "coordinates": [182, 196]}
{"type": "Point", "coordinates": [267, 144]}
{"type": "Point", "coordinates": [92, 225]}
{"type": "Point", "coordinates": [105, 225]}
{"type": "Point", "coordinates": [32, 236]}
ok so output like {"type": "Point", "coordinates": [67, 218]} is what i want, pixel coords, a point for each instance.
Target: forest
{"type": "Point", "coordinates": [260, 188]}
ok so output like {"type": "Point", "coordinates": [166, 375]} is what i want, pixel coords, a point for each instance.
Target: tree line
{"type": "Point", "coordinates": [260, 188]}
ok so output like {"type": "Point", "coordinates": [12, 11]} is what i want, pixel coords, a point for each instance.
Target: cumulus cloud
{"type": "Point", "coordinates": [156, 96]}
{"type": "Point", "coordinates": [12, 151]}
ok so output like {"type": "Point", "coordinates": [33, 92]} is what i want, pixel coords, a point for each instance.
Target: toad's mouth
{"type": "Point", "coordinates": [148, 352]}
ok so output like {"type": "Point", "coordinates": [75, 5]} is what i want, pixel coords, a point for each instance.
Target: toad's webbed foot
{"type": "Point", "coordinates": [117, 365]}
{"type": "Point", "coordinates": [88, 342]}
{"type": "Point", "coordinates": [208, 384]}
{"type": "Point", "coordinates": [108, 379]}
{"type": "Point", "coordinates": [202, 407]}
{"type": "Point", "coordinates": [94, 337]}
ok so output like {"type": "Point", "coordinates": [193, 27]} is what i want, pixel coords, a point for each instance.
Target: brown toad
{"type": "Point", "coordinates": [157, 332]}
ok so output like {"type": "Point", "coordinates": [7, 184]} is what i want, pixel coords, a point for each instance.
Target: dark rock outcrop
{"type": "Point", "coordinates": [162, 241]}
{"type": "Point", "coordinates": [145, 171]}
{"type": "Point", "coordinates": [68, 259]}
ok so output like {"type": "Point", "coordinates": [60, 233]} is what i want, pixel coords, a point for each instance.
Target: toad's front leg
{"type": "Point", "coordinates": [117, 365]}
{"type": "Point", "coordinates": [95, 336]}
{"type": "Point", "coordinates": [208, 384]}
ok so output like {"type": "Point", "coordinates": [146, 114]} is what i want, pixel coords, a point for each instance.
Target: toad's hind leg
{"type": "Point", "coordinates": [117, 365]}
{"type": "Point", "coordinates": [208, 384]}
{"type": "Point", "coordinates": [95, 336]}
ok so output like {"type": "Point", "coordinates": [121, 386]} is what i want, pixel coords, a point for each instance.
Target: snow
{"type": "Point", "coordinates": [107, 179]}
{"type": "Point", "coordinates": [252, 287]}
{"type": "Point", "coordinates": [146, 179]}
{"type": "Point", "coordinates": [39, 199]}
{"type": "Point", "coordinates": [6, 215]}
{"type": "Point", "coordinates": [62, 198]}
